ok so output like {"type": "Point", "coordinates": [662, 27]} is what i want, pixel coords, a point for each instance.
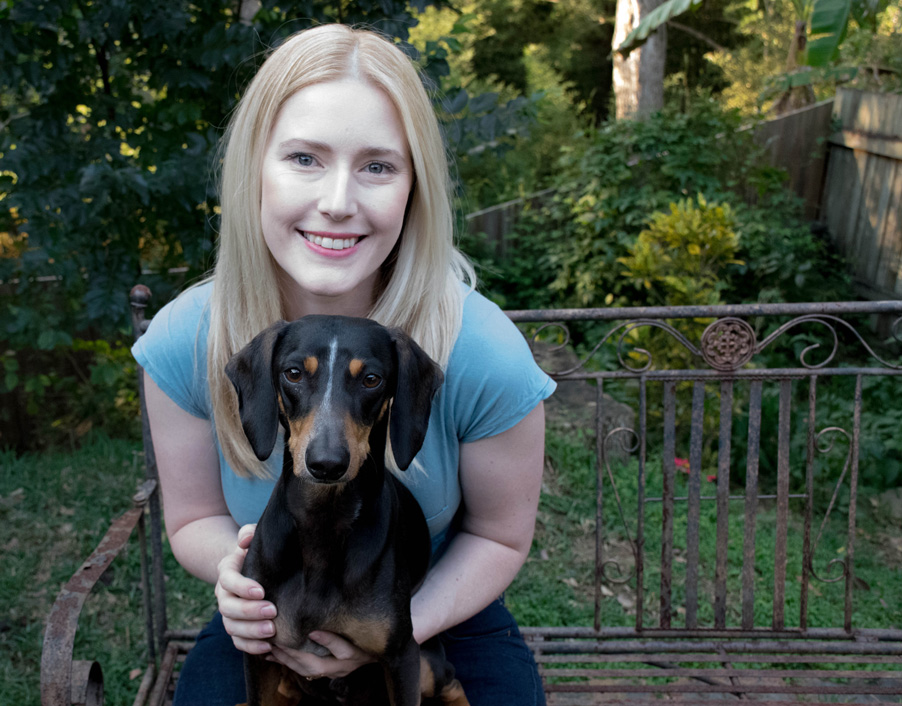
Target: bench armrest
{"type": "Point", "coordinates": [58, 676]}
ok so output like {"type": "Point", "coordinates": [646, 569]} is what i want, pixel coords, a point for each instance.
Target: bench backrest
{"type": "Point", "coordinates": [739, 419]}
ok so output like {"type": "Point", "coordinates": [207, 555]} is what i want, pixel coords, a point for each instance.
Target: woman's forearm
{"type": "Point", "coordinates": [200, 545]}
{"type": "Point", "coordinates": [472, 573]}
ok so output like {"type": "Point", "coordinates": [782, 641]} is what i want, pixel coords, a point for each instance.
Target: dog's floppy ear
{"type": "Point", "coordinates": [250, 371]}
{"type": "Point", "coordinates": [419, 378]}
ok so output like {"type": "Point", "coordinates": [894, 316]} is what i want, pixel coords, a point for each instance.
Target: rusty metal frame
{"type": "Point", "coordinates": [674, 660]}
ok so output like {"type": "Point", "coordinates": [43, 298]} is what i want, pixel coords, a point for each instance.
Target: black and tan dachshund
{"type": "Point", "coordinates": [342, 544]}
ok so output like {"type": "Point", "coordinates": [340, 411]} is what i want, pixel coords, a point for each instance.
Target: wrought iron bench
{"type": "Point", "coordinates": [772, 459]}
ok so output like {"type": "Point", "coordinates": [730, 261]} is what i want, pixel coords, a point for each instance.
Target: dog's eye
{"type": "Point", "coordinates": [372, 381]}
{"type": "Point", "coordinates": [293, 375]}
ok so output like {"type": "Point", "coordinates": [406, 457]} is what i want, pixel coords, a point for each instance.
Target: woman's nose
{"type": "Point", "coordinates": [336, 198]}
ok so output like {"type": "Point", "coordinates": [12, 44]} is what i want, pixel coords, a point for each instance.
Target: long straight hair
{"type": "Point", "coordinates": [419, 288]}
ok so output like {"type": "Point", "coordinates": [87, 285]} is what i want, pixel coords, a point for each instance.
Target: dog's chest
{"type": "Point", "coordinates": [304, 608]}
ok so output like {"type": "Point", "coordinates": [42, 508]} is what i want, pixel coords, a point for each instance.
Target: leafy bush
{"type": "Point", "coordinates": [610, 185]}
{"type": "Point", "coordinates": [679, 258]}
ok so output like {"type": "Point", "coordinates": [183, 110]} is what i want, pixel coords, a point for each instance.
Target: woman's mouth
{"type": "Point", "coordinates": [331, 242]}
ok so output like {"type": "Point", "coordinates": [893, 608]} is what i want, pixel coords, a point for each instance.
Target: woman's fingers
{"type": "Point", "coordinates": [246, 616]}
{"type": "Point", "coordinates": [310, 665]}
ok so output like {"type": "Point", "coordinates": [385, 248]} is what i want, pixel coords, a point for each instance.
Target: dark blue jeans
{"type": "Point", "coordinates": [492, 662]}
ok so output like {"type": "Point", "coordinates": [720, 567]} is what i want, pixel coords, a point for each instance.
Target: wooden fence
{"type": "Point", "coordinates": [796, 142]}
{"type": "Point", "coordinates": [862, 198]}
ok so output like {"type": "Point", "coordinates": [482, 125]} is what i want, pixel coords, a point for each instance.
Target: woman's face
{"type": "Point", "coordinates": [336, 178]}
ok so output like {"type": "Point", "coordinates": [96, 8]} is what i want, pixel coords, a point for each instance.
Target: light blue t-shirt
{"type": "Point", "coordinates": [491, 383]}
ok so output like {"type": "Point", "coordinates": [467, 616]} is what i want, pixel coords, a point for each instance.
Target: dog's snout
{"type": "Point", "coordinates": [327, 464]}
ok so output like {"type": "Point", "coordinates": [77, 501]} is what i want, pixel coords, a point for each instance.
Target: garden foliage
{"type": "Point", "coordinates": [110, 119]}
{"type": "Point", "coordinates": [612, 180]}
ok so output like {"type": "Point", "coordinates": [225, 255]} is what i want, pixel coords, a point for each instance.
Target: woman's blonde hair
{"type": "Point", "coordinates": [420, 289]}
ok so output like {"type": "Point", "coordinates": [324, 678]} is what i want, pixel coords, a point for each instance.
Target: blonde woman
{"type": "Point", "coordinates": [335, 200]}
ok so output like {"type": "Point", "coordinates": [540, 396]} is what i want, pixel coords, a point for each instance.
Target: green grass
{"type": "Point", "coordinates": [55, 507]}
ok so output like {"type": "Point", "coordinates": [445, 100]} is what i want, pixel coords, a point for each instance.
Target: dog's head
{"type": "Point", "coordinates": [330, 380]}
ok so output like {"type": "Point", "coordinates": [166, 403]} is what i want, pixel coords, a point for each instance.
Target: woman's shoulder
{"type": "Point", "coordinates": [486, 329]}
{"type": "Point", "coordinates": [492, 380]}
{"type": "Point", "coordinates": [188, 308]}
{"type": "Point", "coordinates": [173, 350]}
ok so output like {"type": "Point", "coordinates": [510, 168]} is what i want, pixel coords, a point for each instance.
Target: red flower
{"type": "Point", "coordinates": [682, 464]}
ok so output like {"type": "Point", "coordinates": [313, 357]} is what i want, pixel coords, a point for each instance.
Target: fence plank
{"type": "Point", "coordinates": [863, 190]}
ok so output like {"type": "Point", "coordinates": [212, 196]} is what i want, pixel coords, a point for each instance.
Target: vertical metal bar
{"type": "Point", "coordinates": [751, 506]}
{"type": "Point", "coordinates": [139, 298]}
{"type": "Point", "coordinates": [669, 472]}
{"type": "Point", "coordinates": [600, 464]}
{"type": "Point", "coordinates": [723, 503]}
{"type": "Point", "coordinates": [694, 505]}
{"type": "Point", "coordinates": [783, 435]}
{"type": "Point", "coordinates": [146, 596]}
{"type": "Point", "coordinates": [640, 504]}
{"type": "Point", "coordinates": [853, 500]}
{"type": "Point", "coordinates": [809, 500]}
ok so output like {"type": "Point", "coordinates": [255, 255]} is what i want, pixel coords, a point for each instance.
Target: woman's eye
{"type": "Point", "coordinates": [304, 160]}
{"type": "Point", "coordinates": [293, 375]}
{"type": "Point", "coordinates": [378, 168]}
{"type": "Point", "coordinates": [372, 381]}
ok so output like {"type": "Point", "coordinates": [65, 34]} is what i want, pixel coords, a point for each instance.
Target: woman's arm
{"type": "Point", "coordinates": [501, 478]}
{"type": "Point", "coordinates": [202, 533]}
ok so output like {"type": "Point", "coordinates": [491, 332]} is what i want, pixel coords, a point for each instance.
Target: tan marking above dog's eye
{"type": "Point", "coordinates": [294, 375]}
{"type": "Point", "coordinates": [311, 364]}
{"type": "Point", "coordinates": [372, 381]}
{"type": "Point", "coordinates": [355, 367]}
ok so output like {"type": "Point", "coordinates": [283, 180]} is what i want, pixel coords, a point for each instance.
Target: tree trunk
{"type": "Point", "coordinates": [798, 96]}
{"type": "Point", "coordinates": [639, 76]}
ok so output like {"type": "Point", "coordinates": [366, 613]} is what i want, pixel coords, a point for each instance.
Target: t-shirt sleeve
{"type": "Point", "coordinates": [173, 351]}
{"type": "Point", "coordinates": [491, 374]}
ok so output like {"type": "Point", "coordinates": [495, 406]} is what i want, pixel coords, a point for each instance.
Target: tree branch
{"type": "Point", "coordinates": [698, 35]}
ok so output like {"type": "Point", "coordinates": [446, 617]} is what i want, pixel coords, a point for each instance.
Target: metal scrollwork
{"type": "Point", "coordinates": [825, 449]}
{"type": "Point", "coordinates": [621, 577]}
{"type": "Point", "coordinates": [728, 344]}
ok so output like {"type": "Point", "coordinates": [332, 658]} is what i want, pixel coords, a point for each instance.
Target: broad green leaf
{"type": "Point", "coordinates": [653, 20]}
{"type": "Point", "coordinates": [829, 22]}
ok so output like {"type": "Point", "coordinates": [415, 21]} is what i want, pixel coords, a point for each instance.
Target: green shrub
{"type": "Point", "coordinates": [681, 257]}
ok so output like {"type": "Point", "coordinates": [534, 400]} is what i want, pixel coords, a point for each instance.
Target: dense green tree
{"type": "Point", "coordinates": [111, 115]}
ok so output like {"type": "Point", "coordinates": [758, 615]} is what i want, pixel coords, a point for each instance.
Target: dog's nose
{"type": "Point", "coordinates": [327, 465]}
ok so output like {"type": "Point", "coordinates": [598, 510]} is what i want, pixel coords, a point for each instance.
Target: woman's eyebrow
{"type": "Point", "coordinates": [370, 152]}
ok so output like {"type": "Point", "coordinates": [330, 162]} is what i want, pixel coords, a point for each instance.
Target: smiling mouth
{"type": "Point", "coordinates": [330, 243]}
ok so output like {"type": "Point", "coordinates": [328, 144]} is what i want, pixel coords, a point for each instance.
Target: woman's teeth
{"type": "Point", "coordinates": [331, 243]}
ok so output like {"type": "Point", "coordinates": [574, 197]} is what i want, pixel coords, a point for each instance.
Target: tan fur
{"type": "Point", "coordinates": [370, 635]}
{"type": "Point", "coordinates": [358, 443]}
{"type": "Point", "coordinates": [297, 443]}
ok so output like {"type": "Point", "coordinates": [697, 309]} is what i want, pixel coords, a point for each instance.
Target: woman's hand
{"type": "Point", "coordinates": [345, 657]}
{"type": "Point", "coordinates": [247, 617]}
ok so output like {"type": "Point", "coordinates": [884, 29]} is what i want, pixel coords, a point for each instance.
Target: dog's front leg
{"type": "Point", "coordinates": [266, 683]}
{"type": "Point", "coordinates": [402, 676]}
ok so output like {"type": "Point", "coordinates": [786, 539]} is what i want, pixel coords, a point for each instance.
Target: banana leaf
{"type": "Point", "coordinates": [654, 19]}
